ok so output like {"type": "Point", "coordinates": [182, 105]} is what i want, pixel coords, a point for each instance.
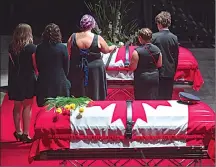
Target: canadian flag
{"type": "Point", "coordinates": [118, 57]}
{"type": "Point", "coordinates": [109, 118]}
{"type": "Point", "coordinates": [163, 118]}
{"type": "Point", "coordinates": [151, 118]}
{"type": "Point", "coordinates": [98, 120]}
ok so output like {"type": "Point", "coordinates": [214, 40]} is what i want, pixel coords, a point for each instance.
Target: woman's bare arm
{"type": "Point", "coordinates": [159, 62]}
{"type": "Point", "coordinates": [104, 47]}
{"type": "Point", "coordinates": [69, 44]}
{"type": "Point", "coordinates": [66, 60]}
{"type": "Point", "coordinates": [134, 61]}
{"type": "Point", "coordinates": [34, 63]}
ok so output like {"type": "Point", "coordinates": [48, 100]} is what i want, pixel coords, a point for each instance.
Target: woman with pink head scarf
{"type": "Point", "coordinates": [87, 22]}
{"type": "Point", "coordinates": [87, 72]}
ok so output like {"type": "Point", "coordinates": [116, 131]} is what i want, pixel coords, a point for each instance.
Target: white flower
{"type": "Point", "coordinates": [121, 44]}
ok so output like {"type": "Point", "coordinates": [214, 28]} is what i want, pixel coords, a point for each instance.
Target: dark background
{"type": "Point", "coordinates": [192, 20]}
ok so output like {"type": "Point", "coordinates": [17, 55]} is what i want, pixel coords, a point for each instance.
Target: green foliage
{"type": "Point", "coordinates": [111, 17]}
{"type": "Point", "coordinates": [62, 101]}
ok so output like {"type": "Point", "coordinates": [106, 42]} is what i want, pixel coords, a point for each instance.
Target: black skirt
{"type": "Point", "coordinates": [146, 85]}
{"type": "Point", "coordinates": [96, 89]}
{"type": "Point", "coordinates": [21, 87]}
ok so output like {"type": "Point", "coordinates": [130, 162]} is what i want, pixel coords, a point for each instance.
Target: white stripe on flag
{"type": "Point", "coordinates": [112, 63]}
{"type": "Point", "coordinates": [165, 120]}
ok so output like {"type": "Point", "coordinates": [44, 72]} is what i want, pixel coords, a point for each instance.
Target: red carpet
{"type": "Point", "coordinates": [15, 153]}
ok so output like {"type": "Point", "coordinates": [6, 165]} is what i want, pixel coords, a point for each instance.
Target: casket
{"type": "Point", "coordinates": [120, 79]}
{"type": "Point", "coordinates": [119, 133]}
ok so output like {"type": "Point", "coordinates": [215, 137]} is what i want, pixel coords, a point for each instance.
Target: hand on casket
{"type": "Point", "coordinates": [111, 56]}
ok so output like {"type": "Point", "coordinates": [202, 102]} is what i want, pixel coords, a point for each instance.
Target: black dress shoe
{"type": "Point", "coordinates": [18, 136]}
{"type": "Point", "coordinates": [26, 139]}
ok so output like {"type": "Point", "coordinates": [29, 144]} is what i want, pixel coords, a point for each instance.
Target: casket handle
{"type": "Point", "coordinates": [129, 122]}
{"type": "Point", "coordinates": [110, 58]}
{"type": "Point", "coordinates": [127, 56]}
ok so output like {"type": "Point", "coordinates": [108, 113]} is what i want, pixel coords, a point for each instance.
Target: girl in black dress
{"type": "Point", "coordinates": [145, 62]}
{"type": "Point", "coordinates": [87, 72]}
{"type": "Point", "coordinates": [53, 64]}
{"type": "Point", "coordinates": [21, 79]}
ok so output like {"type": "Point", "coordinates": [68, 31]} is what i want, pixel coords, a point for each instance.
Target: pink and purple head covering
{"type": "Point", "coordinates": [87, 22]}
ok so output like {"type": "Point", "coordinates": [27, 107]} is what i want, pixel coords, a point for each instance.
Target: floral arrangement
{"type": "Point", "coordinates": [64, 105]}
{"type": "Point", "coordinates": [112, 20]}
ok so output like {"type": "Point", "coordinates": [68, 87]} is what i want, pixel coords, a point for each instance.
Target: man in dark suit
{"type": "Point", "coordinates": [168, 44]}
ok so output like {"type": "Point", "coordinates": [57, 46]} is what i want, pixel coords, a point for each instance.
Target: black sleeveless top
{"type": "Point", "coordinates": [148, 58]}
{"type": "Point", "coordinates": [91, 54]}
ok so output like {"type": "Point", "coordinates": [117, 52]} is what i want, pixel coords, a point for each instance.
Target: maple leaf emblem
{"type": "Point", "coordinates": [119, 112]}
{"type": "Point", "coordinates": [122, 51]}
{"type": "Point", "coordinates": [139, 111]}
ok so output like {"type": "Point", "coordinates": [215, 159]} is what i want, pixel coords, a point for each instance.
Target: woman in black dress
{"type": "Point", "coordinates": [146, 60]}
{"type": "Point", "coordinates": [21, 79]}
{"type": "Point", "coordinates": [87, 72]}
{"type": "Point", "coordinates": [53, 64]}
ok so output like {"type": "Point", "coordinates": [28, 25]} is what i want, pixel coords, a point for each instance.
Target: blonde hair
{"type": "Point", "coordinates": [22, 36]}
{"type": "Point", "coordinates": [164, 19]}
{"type": "Point", "coordinates": [145, 34]}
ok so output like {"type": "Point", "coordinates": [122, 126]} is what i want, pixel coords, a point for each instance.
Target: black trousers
{"type": "Point", "coordinates": [166, 88]}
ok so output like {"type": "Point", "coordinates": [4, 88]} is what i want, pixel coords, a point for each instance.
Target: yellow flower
{"type": "Point", "coordinates": [72, 106]}
{"type": "Point", "coordinates": [59, 110]}
{"type": "Point", "coordinates": [67, 107]}
{"type": "Point", "coordinates": [81, 109]}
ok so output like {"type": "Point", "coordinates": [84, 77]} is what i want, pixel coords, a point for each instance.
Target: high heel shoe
{"type": "Point", "coordinates": [17, 136]}
{"type": "Point", "coordinates": [26, 139]}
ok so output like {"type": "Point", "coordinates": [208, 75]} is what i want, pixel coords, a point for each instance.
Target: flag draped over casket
{"type": "Point", "coordinates": [187, 69]}
{"type": "Point", "coordinates": [103, 125]}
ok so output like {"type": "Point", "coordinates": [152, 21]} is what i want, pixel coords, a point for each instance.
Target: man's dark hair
{"type": "Point", "coordinates": [164, 19]}
{"type": "Point", "coordinates": [52, 33]}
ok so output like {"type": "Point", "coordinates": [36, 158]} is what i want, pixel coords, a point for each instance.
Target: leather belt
{"type": "Point", "coordinates": [129, 122]}
{"type": "Point", "coordinates": [127, 54]}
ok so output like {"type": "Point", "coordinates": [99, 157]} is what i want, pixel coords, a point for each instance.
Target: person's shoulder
{"type": "Point", "coordinates": [155, 49]}
{"type": "Point", "coordinates": [156, 34]}
{"type": "Point", "coordinates": [39, 45]}
{"type": "Point", "coordinates": [138, 48]}
{"type": "Point", "coordinates": [72, 36]}
{"type": "Point", "coordinates": [62, 45]}
{"type": "Point", "coordinates": [30, 47]}
{"type": "Point", "coordinates": [98, 36]}
{"type": "Point", "coordinates": [173, 35]}
{"type": "Point", "coordinates": [154, 46]}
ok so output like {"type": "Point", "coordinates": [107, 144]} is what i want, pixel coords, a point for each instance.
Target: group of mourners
{"type": "Point", "coordinates": [52, 69]}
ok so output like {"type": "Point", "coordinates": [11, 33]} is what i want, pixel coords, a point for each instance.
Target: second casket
{"type": "Point", "coordinates": [120, 79]}
{"type": "Point", "coordinates": [121, 125]}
